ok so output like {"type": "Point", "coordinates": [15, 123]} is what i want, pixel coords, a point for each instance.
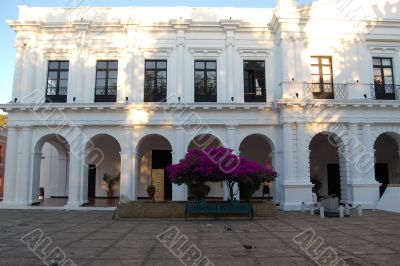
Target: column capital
{"type": "Point", "coordinates": [287, 123]}
{"type": "Point", "coordinates": [12, 128]}
{"type": "Point", "coordinates": [231, 126]}
{"type": "Point", "coordinates": [126, 126]}
{"type": "Point", "coordinates": [366, 124]}
{"type": "Point", "coordinates": [26, 128]}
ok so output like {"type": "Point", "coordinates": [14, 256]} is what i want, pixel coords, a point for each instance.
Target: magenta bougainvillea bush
{"type": "Point", "coordinates": [215, 164]}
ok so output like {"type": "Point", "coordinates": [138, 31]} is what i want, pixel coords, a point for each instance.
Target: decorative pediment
{"type": "Point", "coordinates": [156, 51]}
{"type": "Point", "coordinates": [204, 51]}
{"type": "Point", "coordinates": [389, 49]}
{"type": "Point", "coordinates": [253, 52]}
{"type": "Point", "coordinates": [111, 53]}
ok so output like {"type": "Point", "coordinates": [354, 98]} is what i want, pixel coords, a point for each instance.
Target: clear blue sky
{"type": "Point", "coordinates": [9, 10]}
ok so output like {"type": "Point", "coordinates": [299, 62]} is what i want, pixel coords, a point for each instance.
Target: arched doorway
{"type": "Point", "coordinates": [258, 148]}
{"type": "Point", "coordinates": [154, 156]}
{"type": "Point", "coordinates": [327, 166]}
{"type": "Point", "coordinates": [96, 167]}
{"type": "Point", "coordinates": [387, 163]}
{"type": "Point", "coordinates": [50, 171]}
{"type": "Point", "coordinates": [203, 141]}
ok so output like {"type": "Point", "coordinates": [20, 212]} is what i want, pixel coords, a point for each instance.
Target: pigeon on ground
{"type": "Point", "coordinates": [227, 228]}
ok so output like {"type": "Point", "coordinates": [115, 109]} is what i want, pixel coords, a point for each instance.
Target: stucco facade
{"type": "Point", "coordinates": [308, 129]}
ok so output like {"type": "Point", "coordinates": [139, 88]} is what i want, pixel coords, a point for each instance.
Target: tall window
{"type": "Point", "coordinates": [155, 81]}
{"type": "Point", "coordinates": [57, 81]}
{"type": "Point", "coordinates": [383, 78]}
{"type": "Point", "coordinates": [254, 81]}
{"type": "Point", "coordinates": [205, 81]}
{"type": "Point", "coordinates": [322, 78]}
{"type": "Point", "coordinates": [106, 81]}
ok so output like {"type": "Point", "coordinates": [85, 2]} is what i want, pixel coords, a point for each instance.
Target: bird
{"type": "Point", "coordinates": [227, 228]}
{"type": "Point", "coordinates": [248, 246]}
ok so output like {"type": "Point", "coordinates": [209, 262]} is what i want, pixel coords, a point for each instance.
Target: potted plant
{"type": "Point", "coordinates": [219, 164]}
{"type": "Point", "coordinates": [199, 190]}
{"type": "Point", "coordinates": [151, 191]}
{"type": "Point", "coordinates": [110, 182]}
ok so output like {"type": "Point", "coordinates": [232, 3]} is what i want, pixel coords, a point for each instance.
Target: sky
{"type": "Point", "coordinates": [9, 11]}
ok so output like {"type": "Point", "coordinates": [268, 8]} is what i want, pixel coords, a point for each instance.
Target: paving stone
{"type": "Point", "coordinates": [92, 238]}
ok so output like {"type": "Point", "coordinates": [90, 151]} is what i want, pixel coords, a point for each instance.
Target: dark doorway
{"type": "Point", "coordinates": [382, 176]}
{"type": "Point", "coordinates": [92, 181]}
{"type": "Point", "coordinates": [160, 160]}
{"type": "Point", "coordinates": [334, 180]}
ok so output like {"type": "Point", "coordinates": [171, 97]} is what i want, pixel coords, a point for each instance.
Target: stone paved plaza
{"type": "Point", "coordinates": [93, 238]}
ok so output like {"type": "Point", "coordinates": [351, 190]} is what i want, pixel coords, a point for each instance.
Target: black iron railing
{"type": "Point", "coordinates": [385, 92]}
{"type": "Point", "coordinates": [327, 91]}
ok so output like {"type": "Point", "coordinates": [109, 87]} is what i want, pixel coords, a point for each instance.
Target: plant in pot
{"type": "Point", "coordinates": [198, 190]}
{"type": "Point", "coordinates": [110, 182]}
{"type": "Point", "coordinates": [219, 164]}
{"type": "Point", "coordinates": [151, 191]}
{"type": "Point", "coordinates": [250, 175]}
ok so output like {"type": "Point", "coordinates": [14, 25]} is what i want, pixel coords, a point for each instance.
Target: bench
{"type": "Point", "coordinates": [224, 209]}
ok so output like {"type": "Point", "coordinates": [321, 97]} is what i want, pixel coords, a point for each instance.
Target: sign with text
{"type": "Point", "coordinates": [157, 180]}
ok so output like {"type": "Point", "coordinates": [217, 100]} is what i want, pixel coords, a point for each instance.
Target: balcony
{"type": "Point", "coordinates": [326, 91]}
{"type": "Point", "coordinates": [385, 92]}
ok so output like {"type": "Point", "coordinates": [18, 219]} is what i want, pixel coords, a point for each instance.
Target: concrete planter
{"type": "Point", "coordinates": [151, 209]}
{"type": "Point", "coordinates": [173, 209]}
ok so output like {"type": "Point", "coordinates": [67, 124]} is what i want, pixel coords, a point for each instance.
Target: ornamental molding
{"type": "Point", "coordinates": [203, 51]}
{"type": "Point", "coordinates": [384, 48]}
{"type": "Point", "coordinates": [252, 52]}
{"type": "Point", "coordinates": [56, 52]}
{"type": "Point", "coordinates": [163, 52]}
{"type": "Point", "coordinates": [109, 53]}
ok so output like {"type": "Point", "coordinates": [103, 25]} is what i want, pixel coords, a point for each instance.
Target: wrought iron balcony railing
{"type": "Point", "coordinates": [385, 92]}
{"type": "Point", "coordinates": [326, 91]}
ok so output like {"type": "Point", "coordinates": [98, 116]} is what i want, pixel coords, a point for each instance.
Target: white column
{"type": "Point", "coordinates": [126, 165]}
{"type": "Point", "coordinates": [18, 71]}
{"type": "Point", "coordinates": [179, 193]}
{"type": "Point", "coordinates": [288, 153]}
{"type": "Point", "coordinates": [180, 75]}
{"type": "Point", "coordinates": [353, 153]}
{"type": "Point", "coordinates": [23, 182]}
{"type": "Point", "coordinates": [35, 177]}
{"type": "Point", "coordinates": [231, 142]}
{"type": "Point", "coordinates": [76, 159]}
{"type": "Point", "coordinates": [229, 67]}
{"type": "Point", "coordinates": [134, 167]}
{"type": "Point", "coordinates": [28, 76]}
{"type": "Point", "coordinates": [10, 175]}
{"type": "Point", "coordinates": [302, 155]}
{"type": "Point", "coordinates": [368, 159]}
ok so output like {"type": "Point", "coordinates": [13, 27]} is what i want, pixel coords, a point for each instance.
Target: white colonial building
{"type": "Point", "coordinates": [127, 90]}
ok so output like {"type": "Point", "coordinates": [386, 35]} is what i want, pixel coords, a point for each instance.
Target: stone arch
{"type": "Point", "coordinates": [334, 137]}
{"type": "Point", "coordinates": [204, 140]}
{"type": "Point", "coordinates": [387, 159]}
{"type": "Point", "coordinates": [259, 148]}
{"type": "Point", "coordinates": [102, 156]}
{"type": "Point", "coordinates": [153, 151]}
{"type": "Point", "coordinates": [50, 168]}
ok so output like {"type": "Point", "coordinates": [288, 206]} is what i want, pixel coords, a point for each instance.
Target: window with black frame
{"type": "Point", "coordinates": [205, 81]}
{"type": "Point", "coordinates": [57, 81]}
{"type": "Point", "coordinates": [106, 81]}
{"type": "Point", "coordinates": [254, 81]}
{"type": "Point", "coordinates": [155, 81]}
{"type": "Point", "coordinates": [322, 78]}
{"type": "Point", "coordinates": [383, 78]}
